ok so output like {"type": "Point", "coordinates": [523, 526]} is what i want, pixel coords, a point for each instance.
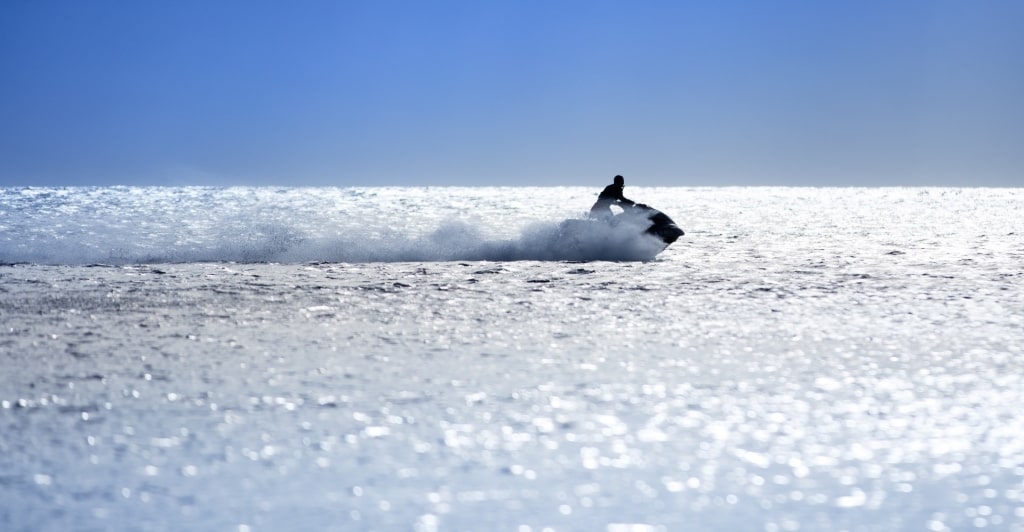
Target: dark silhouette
{"type": "Point", "coordinates": [611, 195]}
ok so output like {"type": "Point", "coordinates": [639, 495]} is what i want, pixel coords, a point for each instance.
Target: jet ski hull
{"type": "Point", "coordinates": [662, 226]}
{"type": "Point", "coordinates": [624, 230]}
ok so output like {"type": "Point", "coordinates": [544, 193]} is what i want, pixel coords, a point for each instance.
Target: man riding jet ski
{"type": "Point", "coordinates": [661, 225]}
{"type": "Point", "coordinates": [611, 195]}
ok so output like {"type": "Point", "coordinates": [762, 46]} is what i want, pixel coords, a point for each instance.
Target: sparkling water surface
{"type": "Point", "coordinates": [437, 359]}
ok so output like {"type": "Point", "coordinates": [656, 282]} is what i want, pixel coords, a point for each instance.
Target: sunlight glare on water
{"type": "Point", "coordinates": [337, 359]}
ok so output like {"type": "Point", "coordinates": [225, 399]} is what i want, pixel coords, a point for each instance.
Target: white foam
{"type": "Point", "coordinates": [179, 225]}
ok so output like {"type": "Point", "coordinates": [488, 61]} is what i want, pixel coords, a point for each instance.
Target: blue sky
{"type": "Point", "coordinates": [381, 92]}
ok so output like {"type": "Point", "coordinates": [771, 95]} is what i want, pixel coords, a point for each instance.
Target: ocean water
{"type": "Point", "coordinates": [250, 359]}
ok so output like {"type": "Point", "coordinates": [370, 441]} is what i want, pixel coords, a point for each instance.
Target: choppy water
{"type": "Point", "coordinates": [394, 359]}
{"type": "Point", "coordinates": [150, 225]}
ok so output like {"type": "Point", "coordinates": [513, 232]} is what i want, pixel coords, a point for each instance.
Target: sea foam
{"type": "Point", "coordinates": [179, 225]}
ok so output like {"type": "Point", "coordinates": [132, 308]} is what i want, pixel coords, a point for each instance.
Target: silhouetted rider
{"type": "Point", "coordinates": [611, 195]}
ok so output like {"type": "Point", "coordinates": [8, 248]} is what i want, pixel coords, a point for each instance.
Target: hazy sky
{"type": "Point", "coordinates": [491, 92]}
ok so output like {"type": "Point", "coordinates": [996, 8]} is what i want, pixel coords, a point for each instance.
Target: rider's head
{"type": "Point", "coordinates": [619, 180]}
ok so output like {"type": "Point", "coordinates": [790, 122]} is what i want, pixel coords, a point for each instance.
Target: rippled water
{"type": "Point", "coordinates": [339, 359]}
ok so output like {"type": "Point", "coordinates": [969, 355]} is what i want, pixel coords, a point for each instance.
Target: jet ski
{"type": "Point", "coordinates": [620, 236]}
{"type": "Point", "coordinates": [661, 225]}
